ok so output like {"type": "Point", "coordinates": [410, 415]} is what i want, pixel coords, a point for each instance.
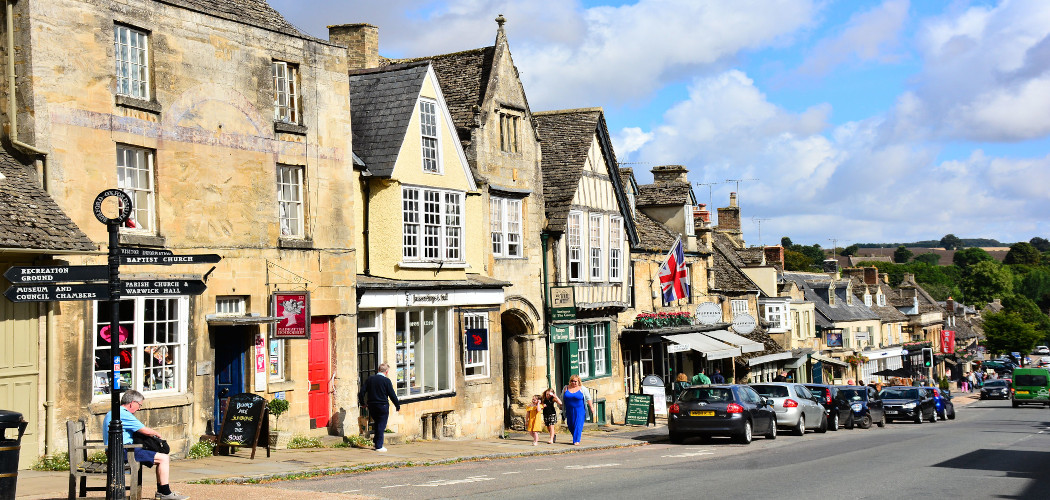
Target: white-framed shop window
{"type": "Point", "coordinates": [601, 349]}
{"type": "Point", "coordinates": [153, 333]}
{"type": "Point", "coordinates": [739, 306]}
{"type": "Point", "coordinates": [475, 363]}
{"type": "Point", "coordinates": [583, 350]}
{"type": "Point", "coordinates": [424, 352]}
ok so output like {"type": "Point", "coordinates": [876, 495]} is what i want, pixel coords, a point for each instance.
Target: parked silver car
{"type": "Point", "coordinates": [796, 407]}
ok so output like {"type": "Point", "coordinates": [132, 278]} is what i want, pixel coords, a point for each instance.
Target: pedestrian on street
{"type": "Point", "coordinates": [533, 422]}
{"type": "Point", "coordinates": [577, 398]}
{"type": "Point", "coordinates": [973, 378]}
{"type": "Point", "coordinates": [375, 393]}
{"type": "Point", "coordinates": [781, 377]}
{"type": "Point", "coordinates": [717, 377]}
{"type": "Point", "coordinates": [700, 378]}
{"type": "Point", "coordinates": [550, 413]}
{"type": "Point", "coordinates": [131, 402]}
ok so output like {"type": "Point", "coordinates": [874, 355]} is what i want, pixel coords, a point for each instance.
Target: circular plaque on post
{"type": "Point", "coordinates": [124, 205]}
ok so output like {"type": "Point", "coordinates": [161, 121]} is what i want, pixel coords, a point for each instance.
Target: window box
{"type": "Point", "coordinates": [136, 103]}
{"type": "Point", "coordinates": [289, 128]}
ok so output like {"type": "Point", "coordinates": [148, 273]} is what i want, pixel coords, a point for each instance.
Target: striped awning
{"type": "Point", "coordinates": [709, 347]}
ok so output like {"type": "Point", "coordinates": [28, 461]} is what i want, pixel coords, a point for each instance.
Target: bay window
{"type": "Point", "coordinates": [439, 219]}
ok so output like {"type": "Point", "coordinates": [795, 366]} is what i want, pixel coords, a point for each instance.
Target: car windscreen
{"type": "Point", "coordinates": [708, 395]}
{"type": "Point", "coordinates": [852, 394]}
{"type": "Point", "coordinates": [1029, 380]}
{"type": "Point", "coordinates": [771, 391]}
{"type": "Point", "coordinates": [820, 392]}
{"type": "Point", "coordinates": [899, 394]}
{"type": "Point", "coordinates": [995, 383]}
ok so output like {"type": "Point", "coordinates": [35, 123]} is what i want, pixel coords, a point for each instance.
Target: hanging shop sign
{"type": "Point", "coordinates": [708, 313]}
{"type": "Point", "coordinates": [744, 323]}
{"type": "Point", "coordinates": [560, 334]}
{"type": "Point", "coordinates": [833, 339]}
{"type": "Point", "coordinates": [563, 302]}
{"type": "Point", "coordinates": [477, 339]}
{"type": "Point", "coordinates": [947, 341]}
{"type": "Point", "coordinates": [293, 312]}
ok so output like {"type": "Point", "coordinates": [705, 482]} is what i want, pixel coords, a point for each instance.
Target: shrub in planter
{"type": "Point", "coordinates": [276, 407]}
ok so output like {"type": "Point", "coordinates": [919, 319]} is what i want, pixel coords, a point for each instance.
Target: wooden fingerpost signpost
{"type": "Point", "coordinates": [47, 284]}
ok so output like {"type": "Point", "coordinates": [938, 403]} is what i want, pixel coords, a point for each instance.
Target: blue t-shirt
{"type": "Point", "coordinates": [127, 419]}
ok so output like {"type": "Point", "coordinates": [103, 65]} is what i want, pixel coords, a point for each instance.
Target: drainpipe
{"type": "Point", "coordinates": [544, 235]}
{"type": "Point", "coordinates": [12, 115]}
{"type": "Point", "coordinates": [367, 198]}
{"type": "Point", "coordinates": [51, 381]}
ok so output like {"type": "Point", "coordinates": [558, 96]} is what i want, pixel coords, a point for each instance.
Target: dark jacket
{"type": "Point", "coordinates": [377, 390]}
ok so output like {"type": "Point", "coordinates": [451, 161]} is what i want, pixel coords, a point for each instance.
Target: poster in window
{"type": "Point", "coordinates": [834, 339]}
{"type": "Point", "coordinates": [293, 312]}
{"type": "Point", "coordinates": [477, 339]}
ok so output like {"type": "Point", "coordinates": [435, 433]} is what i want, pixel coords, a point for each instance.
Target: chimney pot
{"type": "Point", "coordinates": [361, 41]}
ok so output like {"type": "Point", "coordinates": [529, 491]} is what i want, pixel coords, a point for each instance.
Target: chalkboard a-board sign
{"type": "Point", "coordinates": [246, 423]}
{"type": "Point", "coordinates": [639, 410]}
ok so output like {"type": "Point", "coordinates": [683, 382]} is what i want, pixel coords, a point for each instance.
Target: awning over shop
{"type": "Point", "coordinates": [220, 320]}
{"type": "Point", "coordinates": [884, 353]}
{"type": "Point", "coordinates": [769, 358]}
{"type": "Point", "coordinates": [797, 362]}
{"type": "Point", "coordinates": [745, 344]}
{"type": "Point", "coordinates": [829, 360]}
{"type": "Point", "coordinates": [709, 347]}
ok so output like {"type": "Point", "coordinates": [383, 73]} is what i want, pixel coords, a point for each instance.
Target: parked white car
{"type": "Point", "coordinates": [1042, 349]}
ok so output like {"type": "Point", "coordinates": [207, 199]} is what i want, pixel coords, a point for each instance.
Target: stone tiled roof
{"type": "Point", "coordinates": [652, 235]}
{"type": "Point", "coordinates": [753, 256]}
{"type": "Point", "coordinates": [664, 193]}
{"type": "Point", "coordinates": [627, 177]}
{"type": "Point", "coordinates": [464, 77]}
{"type": "Point", "coordinates": [761, 336]}
{"type": "Point", "coordinates": [29, 218]}
{"type": "Point", "coordinates": [382, 101]}
{"type": "Point", "coordinates": [817, 291]}
{"type": "Point", "coordinates": [887, 313]}
{"type": "Point", "coordinates": [727, 268]}
{"type": "Point", "coordinates": [256, 13]}
{"type": "Point", "coordinates": [566, 138]}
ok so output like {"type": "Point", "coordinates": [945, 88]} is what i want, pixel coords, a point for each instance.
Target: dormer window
{"type": "Point", "coordinates": [867, 299]}
{"type": "Point", "coordinates": [880, 299]}
{"type": "Point", "coordinates": [429, 132]}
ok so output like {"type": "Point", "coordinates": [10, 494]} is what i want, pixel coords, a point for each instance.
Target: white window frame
{"type": "Point", "coordinates": [739, 306]}
{"type": "Point", "coordinates": [286, 100]}
{"type": "Point", "coordinates": [774, 315]}
{"type": "Point", "coordinates": [230, 305]}
{"type": "Point", "coordinates": [616, 249]}
{"type": "Point", "coordinates": [290, 198]}
{"type": "Point", "coordinates": [505, 226]}
{"type": "Point", "coordinates": [275, 357]}
{"type": "Point", "coordinates": [583, 351]}
{"type": "Point", "coordinates": [432, 225]}
{"type": "Point", "coordinates": [573, 246]}
{"type": "Point", "coordinates": [475, 363]}
{"type": "Point", "coordinates": [136, 176]}
{"type": "Point", "coordinates": [132, 57]}
{"type": "Point", "coordinates": [179, 306]}
{"type": "Point", "coordinates": [411, 354]}
{"type": "Point", "coordinates": [881, 299]}
{"type": "Point", "coordinates": [430, 140]}
{"type": "Point", "coordinates": [867, 299]}
{"type": "Point", "coordinates": [601, 348]}
{"type": "Point", "coordinates": [594, 245]}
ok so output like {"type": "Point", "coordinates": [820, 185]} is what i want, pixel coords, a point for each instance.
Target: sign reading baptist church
{"type": "Point", "coordinates": [293, 309]}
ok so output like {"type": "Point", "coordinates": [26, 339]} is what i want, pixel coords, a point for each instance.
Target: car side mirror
{"type": "Point", "coordinates": [769, 402]}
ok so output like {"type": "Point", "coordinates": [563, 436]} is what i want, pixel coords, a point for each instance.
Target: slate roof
{"type": "Point", "coordinates": [256, 13]}
{"type": "Point", "coordinates": [29, 218]}
{"type": "Point", "coordinates": [727, 268]}
{"type": "Point", "coordinates": [664, 194]}
{"type": "Point", "coordinates": [464, 77]}
{"type": "Point", "coordinates": [382, 101]}
{"type": "Point", "coordinates": [817, 292]}
{"type": "Point", "coordinates": [887, 313]}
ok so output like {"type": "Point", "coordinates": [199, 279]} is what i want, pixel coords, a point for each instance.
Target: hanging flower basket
{"type": "Point", "coordinates": [855, 359]}
{"type": "Point", "coordinates": [662, 319]}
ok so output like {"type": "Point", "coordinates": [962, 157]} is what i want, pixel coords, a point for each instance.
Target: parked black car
{"type": "Point", "coordinates": [837, 412]}
{"type": "Point", "coordinates": [865, 406]}
{"type": "Point", "coordinates": [995, 389]}
{"type": "Point", "coordinates": [721, 410]}
{"type": "Point", "coordinates": [909, 403]}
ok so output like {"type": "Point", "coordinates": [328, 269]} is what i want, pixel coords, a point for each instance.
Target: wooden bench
{"type": "Point", "coordinates": [80, 468]}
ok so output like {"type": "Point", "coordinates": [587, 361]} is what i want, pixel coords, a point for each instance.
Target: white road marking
{"type": "Point", "coordinates": [351, 491]}
{"type": "Point", "coordinates": [449, 482]}
{"type": "Point", "coordinates": [687, 455]}
{"type": "Point", "coordinates": [395, 486]}
{"type": "Point", "coordinates": [595, 466]}
{"type": "Point", "coordinates": [514, 472]}
{"type": "Point", "coordinates": [543, 469]}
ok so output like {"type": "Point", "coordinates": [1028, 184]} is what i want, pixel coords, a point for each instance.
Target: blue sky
{"type": "Point", "coordinates": [863, 121]}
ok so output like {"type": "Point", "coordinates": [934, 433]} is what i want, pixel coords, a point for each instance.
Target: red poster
{"type": "Point", "coordinates": [293, 315]}
{"type": "Point", "coordinates": [947, 341]}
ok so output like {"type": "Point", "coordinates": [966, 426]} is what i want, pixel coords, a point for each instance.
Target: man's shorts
{"type": "Point", "coordinates": [145, 457]}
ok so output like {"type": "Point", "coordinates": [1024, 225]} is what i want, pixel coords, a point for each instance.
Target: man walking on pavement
{"type": "Point", "coordinates": [375, 393]}
{"type": "Point", "coordinates": [717, 377]}
{"type": "Point", "coordinates": [700, 378]}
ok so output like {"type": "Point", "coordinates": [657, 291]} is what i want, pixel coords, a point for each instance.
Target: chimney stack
{"type": "Point", "coordinates": [362, 43]}
{"type": "Point", "coordinates": [871, 275]}
{"type": "Point", "coordinates": [775, 255]}
{"type": "Point", "coordinates": [729, 217]}
{"type": "Point", "coordinates": [670, 173]}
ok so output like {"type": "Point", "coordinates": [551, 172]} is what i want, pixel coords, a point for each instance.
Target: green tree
{"type": "Point", "coordinates": [969, 256]}
{"type": "Point", "coordinates": [902, 254]}
{"type": "Point", "coordinates": [786, 242]}
{"type": "Point", "coordinates": [928, 258]}
{"type": "Point", "coordinates": [1041, 244]}
{"type": "Point", "coordinates": [814, 252]}
{"type": "Point", "coordinates": [1022, 253]}
{"type": "Point", "coordinates": [985, 281]}
{"type": "Point", "coordinates": [850, 250]}
{"type": "Point", "coordinates": [1029, 311]}
{"type": "Point", "coordinates": [797, 261]}
{"type": "Point", "coordinates": [951, 242]}
{"type": "Point", "coordinates": [1008, 332]}
{"type": "Point", "coordinates": [1033, 282]}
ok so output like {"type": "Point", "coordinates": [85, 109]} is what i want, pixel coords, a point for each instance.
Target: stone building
{"type": "Point", "coordinates": [230, 131]}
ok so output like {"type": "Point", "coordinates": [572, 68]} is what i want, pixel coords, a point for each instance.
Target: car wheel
{"type": "Point", "coordinates": [918, 417]}
{"type": "Point", "coordinates": [823, 424]}
{"type": "Point", "coordinates": [677, 438]}
{"type": "Point", "coordinates": [933, 418]}
{"type": "Point", "coordinates": [834, 424]}
{"type": "Point", "coordinates": [1016, 404]}
{"type": "Point", "coordinates": [772, 434]}
{"type": "Point", "coordinates": [865, 422]}
{"type": "Point", "coordinates": [882, 423]}
{"type": "Point", "coordinates": [951, 416]}
{"type": "Point", "coordinates": [745, 436]}
{"type": "Point", "coordinates": [800, 429]}
{"type": "Point", "coordinates": [849, 421]}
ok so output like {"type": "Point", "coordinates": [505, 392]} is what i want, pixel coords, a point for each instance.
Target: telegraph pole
{"type": "Point", "coordinates": [737, 182]}
{"type": "Point", "coordinates": [758, 221]}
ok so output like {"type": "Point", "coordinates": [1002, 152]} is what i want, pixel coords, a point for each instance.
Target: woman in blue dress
{"type": "Point", "coordinates": [576, 399]}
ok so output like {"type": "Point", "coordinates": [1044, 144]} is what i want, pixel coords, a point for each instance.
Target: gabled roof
{"type": "Point", "coordinates": [817, 288]}
{"type": "Point", "coordinates": [566, 137]}
{"type": "Point", "coordinates": [382, 101]}
{"type": "Point", "coordinates": [464, 78]}
{"type": "Point", "coordinates": [727, 268]}
{"type": "Point", "coordinates": [256, 13]}
{"type": "Point", "coordinates": [29, 218]}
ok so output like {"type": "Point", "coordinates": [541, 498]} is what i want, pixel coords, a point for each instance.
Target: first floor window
{"type": "Point", "coordinates": [131, 49]}
{"type": "Point", "coordinates": [285, 92]}
{"type": "Point", "coordinates": [432, 227]}
{"type": "Point", "coordinates": [505, 217]}
{"type": "Point", "coordinates": [475, 362]}
{"type": "Point", "coordinates": [774, 315]}
{"type": "Point", "coordinates": [290, 200]}
{"type": "Point", "coordinates": [276, 356]}
{"type": "Point", "coordinates": [423, 347]}
{"type": "Point", "coordinates": [739, 307]}
{"type": "Point", "coordinates": [596, 246]}
{"type": "Point", "coordinates": [573, 245]}
{"type": "Point", "coordinates": [152, 335]}
{"type": "Point", "coordinates": [135, 177]}
{"type": "Point", "coordinates": [615, 248]}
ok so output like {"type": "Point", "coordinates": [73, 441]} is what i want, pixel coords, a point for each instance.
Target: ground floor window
{"type": "Point", "coordinates": [152, 335]}
{"type": "Point", "coordinates": [592, 341]}
{"type": "Point", "coordinates": [423, 345]}
{"type": "Point", "coordinates": [276, 355]}
{"type": "Point", "coordinates": [476, 362]}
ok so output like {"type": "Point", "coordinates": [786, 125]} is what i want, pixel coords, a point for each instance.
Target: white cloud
{"type": "Point", "coordinates": [629, 140]}
{"type": "Point", "coordinates": [871, 35]}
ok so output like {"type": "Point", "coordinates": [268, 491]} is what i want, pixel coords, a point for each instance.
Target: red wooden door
{"type": "Point", "coordinates": [319, 375]}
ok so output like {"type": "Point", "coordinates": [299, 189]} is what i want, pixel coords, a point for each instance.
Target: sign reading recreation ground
{"type": "Point", "coordinates": [52, 274]}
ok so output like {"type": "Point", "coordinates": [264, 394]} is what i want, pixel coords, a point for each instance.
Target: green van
{"type": "Point", "coordinates": [1031, 386]}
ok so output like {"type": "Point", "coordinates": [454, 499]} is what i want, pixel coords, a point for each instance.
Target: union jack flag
{"type": "Point", "coordinates": [674, 276]}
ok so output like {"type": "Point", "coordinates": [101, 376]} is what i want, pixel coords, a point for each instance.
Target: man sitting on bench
{"type": "Point", "coordinates": [130, 402]}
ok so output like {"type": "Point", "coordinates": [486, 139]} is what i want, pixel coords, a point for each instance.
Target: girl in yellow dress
{"type": "Point", "coordinates": [533, 421]}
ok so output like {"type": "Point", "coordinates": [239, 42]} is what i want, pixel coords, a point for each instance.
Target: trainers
{"type": "Point", "coordinates": [381, 450]}
{"type": "Point", "coordinates": [171, 496]}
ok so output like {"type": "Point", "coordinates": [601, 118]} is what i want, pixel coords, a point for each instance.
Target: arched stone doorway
{"type": "Point", "coordinates": [521, 345]}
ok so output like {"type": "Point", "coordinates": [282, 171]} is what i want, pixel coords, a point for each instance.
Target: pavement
{"type": "Point", "coordinates": [230, 476]}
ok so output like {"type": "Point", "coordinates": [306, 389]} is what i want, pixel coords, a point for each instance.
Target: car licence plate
{"type": "Point", "coordinates": [701, 414]}
{"type": "Point", "coordinates": [1022, 392]}
{"type": "Point", "coordinates": [891, 412]}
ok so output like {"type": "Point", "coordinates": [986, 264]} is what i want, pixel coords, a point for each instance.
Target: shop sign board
{"type": "Point", "coordinates": [947, 341]}
{"type": "Point", "coordinates": [293, 309]}
{"type": "Point", "coordinates": [659, 398]}
{"type": "Point", "coordinates": [560, 334]}
{"type": "Point", "coordinates": [672, 348]}
{"type": "Point", "coordinates": [639, 410]}
{"type": "Point", "coordinates": [744, 323]}
{"type": "Point", "coordinates": [52, 274]}
{"type": "Point", "coordinates": [708, 313]}
{"type": "Point", "coordinates": [563, 302]}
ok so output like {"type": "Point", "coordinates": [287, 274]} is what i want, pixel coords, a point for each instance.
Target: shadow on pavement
{"type": "Point", "coordinates": [1024, 464]}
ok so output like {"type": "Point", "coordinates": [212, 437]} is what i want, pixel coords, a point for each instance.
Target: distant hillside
{"type": "Point", "coordinates": [966, 243]}
{"type": "Point", "coordinates": [882, 254]}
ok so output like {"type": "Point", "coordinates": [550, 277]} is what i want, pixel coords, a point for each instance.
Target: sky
{"type": "Point", "coordinates": [846, 120]}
